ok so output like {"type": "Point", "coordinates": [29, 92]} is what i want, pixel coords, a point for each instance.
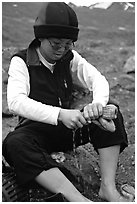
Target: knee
{"type": "Point", "coordinates": [10, 139]}
{"type": "Point", "coordinates": [11, 142]}
{"type": "Point", "coordinates": [119, 114]}
{"type": "Point", "coordinates": [113, 103]}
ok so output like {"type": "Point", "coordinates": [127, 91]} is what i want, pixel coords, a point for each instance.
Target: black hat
{"type": "Point", "coordinates": [56, 19]}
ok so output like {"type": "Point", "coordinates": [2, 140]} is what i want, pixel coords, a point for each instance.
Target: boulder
{"type": "Point", "coordinates": [127, 82]}
{"type": "Point", "coordinates": [129, 66]}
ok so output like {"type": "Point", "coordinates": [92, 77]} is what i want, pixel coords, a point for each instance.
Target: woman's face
{"type": "Point", "coordinates": [53, 49]}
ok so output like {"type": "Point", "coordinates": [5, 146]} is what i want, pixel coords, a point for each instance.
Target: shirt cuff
{"type": "Point", "coordinates": [54, 116]}
{"type": "Point", "coordinates": [103, 102]}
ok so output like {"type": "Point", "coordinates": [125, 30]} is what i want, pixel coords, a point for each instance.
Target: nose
{"type": "Point", "coordinates": [61, 49]}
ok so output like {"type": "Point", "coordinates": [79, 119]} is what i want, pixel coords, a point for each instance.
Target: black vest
{"type": "Point", "coordinates": [49, 88]}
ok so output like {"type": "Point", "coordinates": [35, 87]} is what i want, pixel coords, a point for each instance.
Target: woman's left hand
{"type": "Point", "coordinates": [92, 111]}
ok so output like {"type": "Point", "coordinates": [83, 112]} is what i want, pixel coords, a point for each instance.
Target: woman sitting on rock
{"type": "Point", "coordinates": [40, 91]}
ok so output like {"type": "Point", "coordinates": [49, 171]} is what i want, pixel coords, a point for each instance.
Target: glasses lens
{"type": "Point", "coordinates": [57, 45]}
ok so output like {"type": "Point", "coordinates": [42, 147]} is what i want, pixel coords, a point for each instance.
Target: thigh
{"type": "Point", "coordinates": [48, 137]}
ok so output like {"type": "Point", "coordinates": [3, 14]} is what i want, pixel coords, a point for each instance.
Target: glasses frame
{"type": "Point", "coordinates": [57, 46]}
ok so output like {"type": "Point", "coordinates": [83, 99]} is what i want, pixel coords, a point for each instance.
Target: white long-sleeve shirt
{"type": "Point", "coordinates": [18, 88]}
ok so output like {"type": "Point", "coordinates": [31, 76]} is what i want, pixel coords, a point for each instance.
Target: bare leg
{"type": "Point", "coordinates": [108, 166]}
{"type": "Point", "coordinates": [55, 181]}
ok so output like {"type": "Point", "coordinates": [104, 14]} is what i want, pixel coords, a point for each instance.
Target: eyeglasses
{"type": "Point", "coordinates": [58, 45]}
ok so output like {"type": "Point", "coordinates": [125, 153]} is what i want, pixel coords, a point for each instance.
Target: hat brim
{"type": "Point", "coordinates": [57, 31]}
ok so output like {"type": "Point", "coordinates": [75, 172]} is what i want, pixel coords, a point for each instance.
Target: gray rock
{"type": "Point", "coordinates": [127, 82]}
{"type": "Point", "coordinates": [129, 67]}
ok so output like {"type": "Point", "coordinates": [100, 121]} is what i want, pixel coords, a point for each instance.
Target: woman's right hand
{"type": "Point", "coordinates": [72, 119]}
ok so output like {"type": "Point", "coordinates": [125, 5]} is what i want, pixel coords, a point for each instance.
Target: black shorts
{"type": "Point", "coordinates": [28, 148]}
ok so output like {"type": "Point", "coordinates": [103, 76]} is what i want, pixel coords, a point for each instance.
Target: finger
{"type": "Point", "coordinates": [79, 124]}
{"type": "Point", "coordinates": [100, 109]}
{"type": "Point", "coordinates": [95, 111]}
{"type": "Point", "coordinates": [72, 126]}
{"type": "Point", "coordinates": [82, 120]}
{"type": "Point", "coordinates": [90, 112]}
{"type": "Point", "coordinates": [86, 115]}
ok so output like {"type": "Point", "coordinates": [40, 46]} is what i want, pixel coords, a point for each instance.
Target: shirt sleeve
{"type": "Point", "coordinates": [18, 90]}
{"type": "Point", "coordinates": [91, 78]}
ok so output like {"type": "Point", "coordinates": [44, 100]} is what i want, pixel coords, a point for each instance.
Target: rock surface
{"type": "Point", "coordinates": [129, 67]}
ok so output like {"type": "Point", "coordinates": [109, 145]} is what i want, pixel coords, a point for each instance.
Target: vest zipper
{"type": "Point", "coordinates": [60, 103]}
{"type": "Point", "coordinates": [65, 84]}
